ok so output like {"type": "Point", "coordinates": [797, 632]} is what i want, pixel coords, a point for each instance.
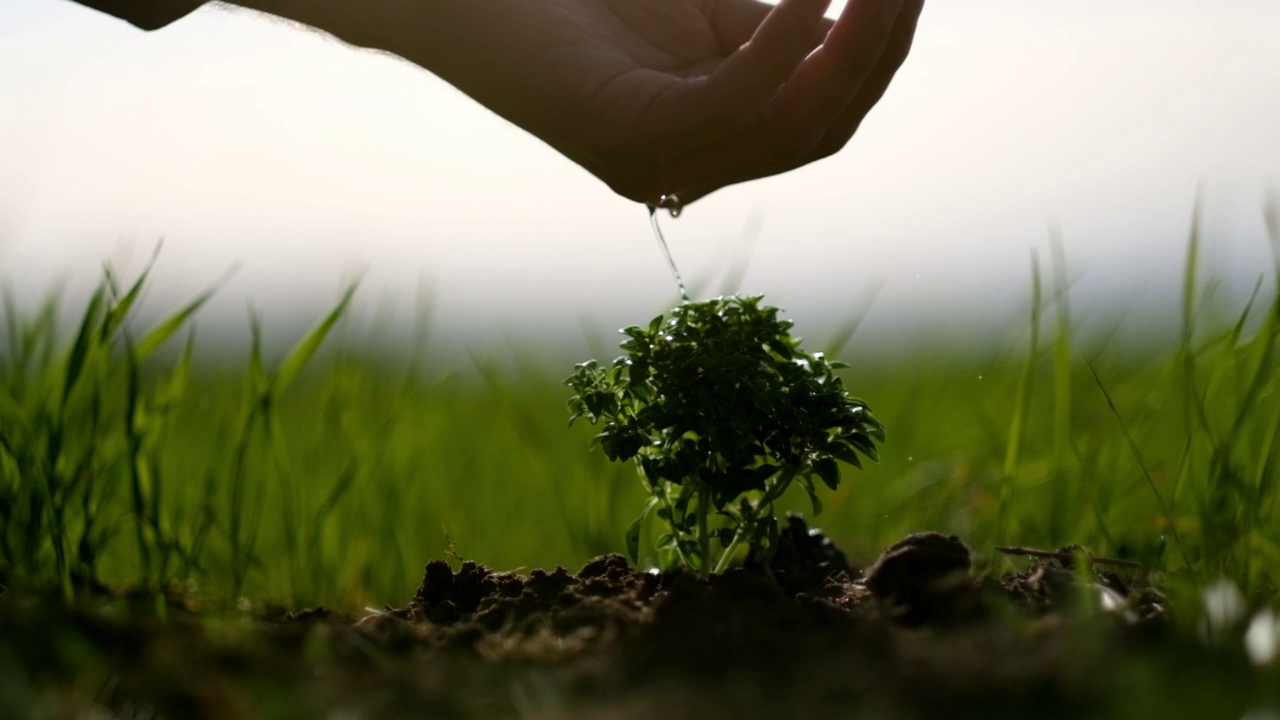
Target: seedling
{"type": "Point", "coordinates": [722, 411]}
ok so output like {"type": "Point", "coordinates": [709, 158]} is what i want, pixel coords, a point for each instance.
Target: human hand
{"type": "Point", "coordinates": [657, 98]}
{"type": "Point", "coordinates": [671, 97]}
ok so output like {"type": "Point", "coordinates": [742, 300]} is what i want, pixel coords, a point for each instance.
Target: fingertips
{"type": "Point", "coordinates": [735, 21]}
{"type": "Point", "coordinates": [792, 27]}
{"type": "Point", "coordinates": [904, 32]}
{"type": "Point", "coordinates": [864, 27]}
{"type": "Point", "coordinates": [843, 129]}
{"type": "Point", "coordinates": [738, 21]}
{"type": "Point", "coordinates": [824, 94]}
{"type": "Point", "coordinates": [833, 75]}
{"type": "Point", "coordinates": [750, 77]}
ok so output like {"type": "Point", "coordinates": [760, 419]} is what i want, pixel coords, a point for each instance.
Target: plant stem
{"type": "Point", "coordinates": [704, 537]}
{"type": "Point", "coordinates": [728, 552]}
{"type": "Point", "coordinates": [748, 527]}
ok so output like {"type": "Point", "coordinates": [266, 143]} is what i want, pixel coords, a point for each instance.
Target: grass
{"type": "Point", "coordinates": [326, 476]}
{"type": "Point", "coordinates": [134, 455]}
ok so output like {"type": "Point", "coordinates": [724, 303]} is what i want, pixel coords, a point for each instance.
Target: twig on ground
{"type": "Point", "coordinates": [1069, 557]}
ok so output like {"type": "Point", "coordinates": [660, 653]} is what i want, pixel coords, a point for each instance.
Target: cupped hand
{"type": "Point", "coordinates": [673, 97]}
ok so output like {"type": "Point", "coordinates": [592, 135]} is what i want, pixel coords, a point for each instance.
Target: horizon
{"type": "Point", "coordinates": [245, 141]}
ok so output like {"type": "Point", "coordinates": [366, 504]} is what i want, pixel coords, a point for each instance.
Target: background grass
{"type": "Point", "coordinates": [330, 476]}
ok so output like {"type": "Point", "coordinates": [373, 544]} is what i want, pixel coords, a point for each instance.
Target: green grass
{"type": "Point", "coordinates": [326, 476]}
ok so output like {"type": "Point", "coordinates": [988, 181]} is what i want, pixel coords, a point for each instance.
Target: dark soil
{"type": "Point", "coordinates": [915, 634]}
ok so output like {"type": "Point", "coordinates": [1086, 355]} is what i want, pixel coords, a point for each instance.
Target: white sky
{"type": "Point", "coordinates": [241, 140]}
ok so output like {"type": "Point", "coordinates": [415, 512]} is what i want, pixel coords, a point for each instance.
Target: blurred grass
{"type": "Point", "coordinates": [330, 476]}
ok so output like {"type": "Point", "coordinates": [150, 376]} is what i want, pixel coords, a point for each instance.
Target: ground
{"type": "Point", "coordinates": [913, 635]}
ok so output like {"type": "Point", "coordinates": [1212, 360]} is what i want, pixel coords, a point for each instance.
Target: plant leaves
{"type": "Point", "coordinates": [714, 401]}
{"type": "Point", "coordinates": [828, 471]}
{"type": "Point", "coordinates": [165, 329]}
{"type": "Point", "coordinates": [302, 353]}
{"type": "Point", "coordinates": [632, 535]}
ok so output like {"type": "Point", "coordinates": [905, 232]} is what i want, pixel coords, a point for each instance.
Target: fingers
{"type": "Point", "coordinates": [750, 77]}
{"type": "Point", "coordinates": [810, 121]}
{"type": "Point", "coordinates": [830, 78]}
{"type": "Point", "coordinates": [842, 130]}
{"type": "Point", "coordinates": [735, 21]}
{"type": "Point", "coordinates": [702, 111]}
{"type": "Point", "coordinates": [741, 88]}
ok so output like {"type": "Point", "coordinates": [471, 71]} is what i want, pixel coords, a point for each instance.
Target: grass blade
{"type": "Point", "coordinates": [165, 329]}
{"type": "Point", "coordinates": [1165, 510]}
{"type": "Point", "coordinates": [1022, 402]}
{"type": "Point", "coordinates": [80, 350]}
{"type": "Point", "coordinates": [302, 353]}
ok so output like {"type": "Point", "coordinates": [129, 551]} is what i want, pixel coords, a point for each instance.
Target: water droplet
{"type": "Point", "coordinates": [672, 204]}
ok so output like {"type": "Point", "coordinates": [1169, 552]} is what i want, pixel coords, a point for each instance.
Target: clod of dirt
{"type": "Point", "coordinates": [802, 638]}
{"type": "Point", "coordinates": [1053, 583]}
{"type": "Point", "coordinates": [544, 615]}
{"type": "Point", "coordinates": [925, 578]}
{"type": "Point", "coordinates": [806, 560]}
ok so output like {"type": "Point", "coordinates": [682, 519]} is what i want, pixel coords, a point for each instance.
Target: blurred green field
{"type": "Point", "coordinates": [330, 476]}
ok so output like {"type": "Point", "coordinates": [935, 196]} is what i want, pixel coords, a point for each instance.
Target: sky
{"type": "Point", "coordinates": [249, 143]}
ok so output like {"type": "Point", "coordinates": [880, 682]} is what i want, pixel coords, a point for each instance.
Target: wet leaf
{"type": "Point", "coordinates": [828, 471]}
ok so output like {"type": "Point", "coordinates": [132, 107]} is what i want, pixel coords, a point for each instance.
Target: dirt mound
{"type": "Point", "coordinates": [914, 634]}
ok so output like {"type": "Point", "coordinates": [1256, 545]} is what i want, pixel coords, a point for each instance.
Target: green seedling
{"type": "Point", "coordinates": [722, 411]}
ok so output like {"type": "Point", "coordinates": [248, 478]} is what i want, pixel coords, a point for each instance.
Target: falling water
{"type": "Point", "coordinates": [673, 206]}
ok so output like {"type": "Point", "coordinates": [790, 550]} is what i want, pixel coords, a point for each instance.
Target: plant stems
{"type": "Point", "coordinates": [733, 545]}
{"type": "Point", "coordinates": [704, 537]}
{"type": "Point", "coordinates": [748, 527]}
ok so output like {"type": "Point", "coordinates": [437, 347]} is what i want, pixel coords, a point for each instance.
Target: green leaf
{"type": "Point", "coordinates": [256, 381]}
{"type": "Point", "coordinates": [864, 445]}
{"type": "Point", "coordinates": [828, 471]}
{"type": "Point", "coordinates": [760, 474]}
{"type": "Point", "coordinates": [845, 453]}
{"type": "Point", "coordinates": [176, 386]}
{"type": "Point", "coordinates": [302, 353]}
{"type": "Point", "coordinates": [807, 483]}
{"type": "Point", "coordinates": [117, 315]}
{"type": "Point", "coordinates": [767, 543]}
{"type": "Point", "coordinates": [165, 329]}
{"type": "Point", "coordinates": [875, 430]}
{"type": "Point", "coordinates": [80, 350]}
{"type": "Point", "coordinates": [633, 531]}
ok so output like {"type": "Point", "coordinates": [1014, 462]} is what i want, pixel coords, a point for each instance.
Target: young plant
{"type": "Point", "coordinates": [722, 411]}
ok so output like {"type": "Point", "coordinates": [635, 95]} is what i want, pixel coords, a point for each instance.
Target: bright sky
{"type": "Point", "coordinates": [241, 140]}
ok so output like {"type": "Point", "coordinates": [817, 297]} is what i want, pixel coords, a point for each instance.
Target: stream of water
{"type": "Point", "coordinates": [672, 204]}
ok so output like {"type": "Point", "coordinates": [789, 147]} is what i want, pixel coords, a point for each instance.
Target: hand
{"type": "Point", "coordinates": [655, 97]}
{"type": "Point", "coordinates": [661, 97]}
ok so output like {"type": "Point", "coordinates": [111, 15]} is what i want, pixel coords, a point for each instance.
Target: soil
{"type": "Point", "coordinates": [913, 635]}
